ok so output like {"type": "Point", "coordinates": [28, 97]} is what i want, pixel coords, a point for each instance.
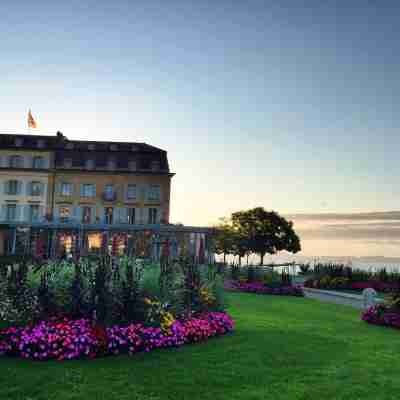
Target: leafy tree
{"type": "Point", "coordinates": [240, 244]}
{"type": "Point", "coordinates": [266, 232]}
{"type": "Point", "coordinates": [224, 238]}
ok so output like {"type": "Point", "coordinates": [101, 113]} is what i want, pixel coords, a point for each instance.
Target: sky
{"type": "Point", "coordinates": [289, 105]}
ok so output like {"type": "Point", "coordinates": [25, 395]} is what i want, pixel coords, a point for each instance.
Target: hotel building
{"type": "Point", "coordinates": [61, 196]}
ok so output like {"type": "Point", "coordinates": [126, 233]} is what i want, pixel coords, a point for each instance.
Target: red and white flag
{"type": "Point", "coordinates": [31, 121]}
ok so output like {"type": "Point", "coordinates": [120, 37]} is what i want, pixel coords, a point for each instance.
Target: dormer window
{"type": "Point", "coordinates": [67, 162]}
{"type": "Point", "coordinates": [112, 164]}
{"type": "Point", "coordinates": [155, 165]}
{"type": "Point", "coordinates": [132, 165]}
{"type": "Point", "coordinates": [69, 146]}
{"type": "Point", "coordinates": [113, 147]}
{"type": "Point", "coordinates": [89, 164]}
{"type": "Point", "coordinates": [41, 143]}
{"type": "Point", "coordinates": [19, 142]}
{"type": "Point", "coordinates": [91, 146]}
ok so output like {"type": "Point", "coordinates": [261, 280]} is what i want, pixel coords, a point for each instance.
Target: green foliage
{"type": "Point", "coordinates": [108, 289]}
{"type": "Point", "coordinates": [18, 302]}
{"type": "Point", "coordinates": [265, 232]}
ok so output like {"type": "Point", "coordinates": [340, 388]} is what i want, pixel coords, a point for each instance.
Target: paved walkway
{"type": "Point", "coordinates": [331, 296]}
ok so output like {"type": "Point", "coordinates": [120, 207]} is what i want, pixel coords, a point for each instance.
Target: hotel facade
{"type": "Point", "coordinates": [59, 197]}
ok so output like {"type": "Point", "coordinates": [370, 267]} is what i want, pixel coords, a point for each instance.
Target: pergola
{"type": "Point", "coordinates": [55, 240]}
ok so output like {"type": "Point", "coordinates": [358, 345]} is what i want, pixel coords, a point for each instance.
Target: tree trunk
{"type": "Point", "coordinates": [262, 258]}
{"type": "Point", "coordinates": [224, 258]}
{"type": "Point", "coordinates": [240, 261]}
{"type": "Point", "coordinates": [247, 259]}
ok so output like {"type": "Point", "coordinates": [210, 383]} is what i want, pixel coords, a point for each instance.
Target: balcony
{"type": "Point", "coordinates": [109, 196]}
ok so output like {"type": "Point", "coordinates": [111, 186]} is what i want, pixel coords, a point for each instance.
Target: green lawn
{"type": "Point", "coordinates": [283, 348]}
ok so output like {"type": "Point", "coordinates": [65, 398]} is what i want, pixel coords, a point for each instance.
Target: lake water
{"type": "Point", "coordinates": [368, 265]}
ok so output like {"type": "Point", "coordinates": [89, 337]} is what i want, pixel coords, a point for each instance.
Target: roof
{"type": "Point", "coordinates": [61, 142]}
{"type": "Point", "coordinates": [79, 151]}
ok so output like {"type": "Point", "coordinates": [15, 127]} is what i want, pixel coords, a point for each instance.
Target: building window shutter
{"type": "Point", "coordinates": [18, 212]}
{"type": "Point", "coordinates": [3, 212]}
{"type": "Point", "coordinates": [19, 187]}
{"type": "Point", "coordinates": [124, 215]}
{"type": "Point", "coordinates": [77, 214]}
{"type": "Point", "coordinates": [56, 213]}
{"type": "Point", "coordinates": [103, 215]}
{"type": "Point", "coordinates": [29, 188]}
{"type": "Point", "coordinates": [93, 215]}
{"type": "Point", "coordinates": [26, 212]}
{"type": "Point", "coordinates": [6, 187]}
{"type": "Point", "coordinates": [41, 213]}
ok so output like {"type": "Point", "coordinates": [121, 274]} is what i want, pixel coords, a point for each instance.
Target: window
{"type": "Point", "coordinates": [109, 193]}
{"type": "Point", "coordinates": [109, 214]}
{"type": "Point", "coordinates": [66, 189]}
{"type": "Point", "coordinates": [65, 213]}
{"type": "Point", "coordinates": [86, 215]}
{"type": "Point", "coordinates": [12, 187]}
{"type": "Point", "coordinates": [91, 146]}
{"type": "Point", "coordinates": [69, 146]}
{"type": "Point", "coordinates": [89, 164]}
{"type": "Point", "coordinates": [131, 216]}
{"type": "Point", "coordinates": [41, 143]}
{"type": "Point", "coordinates": [113, 147]}
{"type": "Point", "coordinates": [94, 242]}
{"type": "Point", "coordinates": [154, 192]}
{"type": "Point", "coordinates": [36, 189]}
{"type": "Point", "coordinates": [68, 162]}
{"type": "Point", "coordinates": [88, 190]}
{"type": "Point", "coordinates": [112, 164]}
{"type": "Point", "coordinates": [34, 213]}
{"type": "Point", "coordinates": [132, 165]}
{"type": "Point", "coordinates": [16, 162]}
{"type": "Point", "coordinates": [11, 212]}
{"type": "Point", "coordinates": [19, 142]}
{"type": "Point", "coordinates": [152, 215]}
{"type": "Point", "coordinates": [131, 191]}
{"type": "Point", "coordinates": [38, 162]}
{"type": "Point", "coordinates": [155, 165]}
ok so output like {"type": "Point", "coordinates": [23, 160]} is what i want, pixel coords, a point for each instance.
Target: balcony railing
{"type": "Point", "coordinates": [109, 196]}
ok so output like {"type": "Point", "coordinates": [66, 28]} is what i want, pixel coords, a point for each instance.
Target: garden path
{"type": "Point", "coordinates": [331, 296]}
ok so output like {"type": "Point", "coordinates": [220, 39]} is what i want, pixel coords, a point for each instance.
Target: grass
{"type": "Point", "coordinates": [283, 348]}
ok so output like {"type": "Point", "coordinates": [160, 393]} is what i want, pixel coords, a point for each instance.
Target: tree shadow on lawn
{"type": "Point", "coordinates": [258, 361]}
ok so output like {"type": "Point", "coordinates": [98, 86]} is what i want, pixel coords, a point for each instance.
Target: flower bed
{"type": "Point", "coordinates": [381, 315]}
{"type": "Point", "coordinates": [261, 288]}
{"type": "Point", "coordinates": [344, 283]}
{"type": "Point", "coordinates": [72, 339]}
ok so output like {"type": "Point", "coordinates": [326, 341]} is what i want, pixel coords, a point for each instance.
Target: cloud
{"type": "Point", "coordinates": [377, 226]}
{"type": "Point", "coordinates": [383, 215]}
